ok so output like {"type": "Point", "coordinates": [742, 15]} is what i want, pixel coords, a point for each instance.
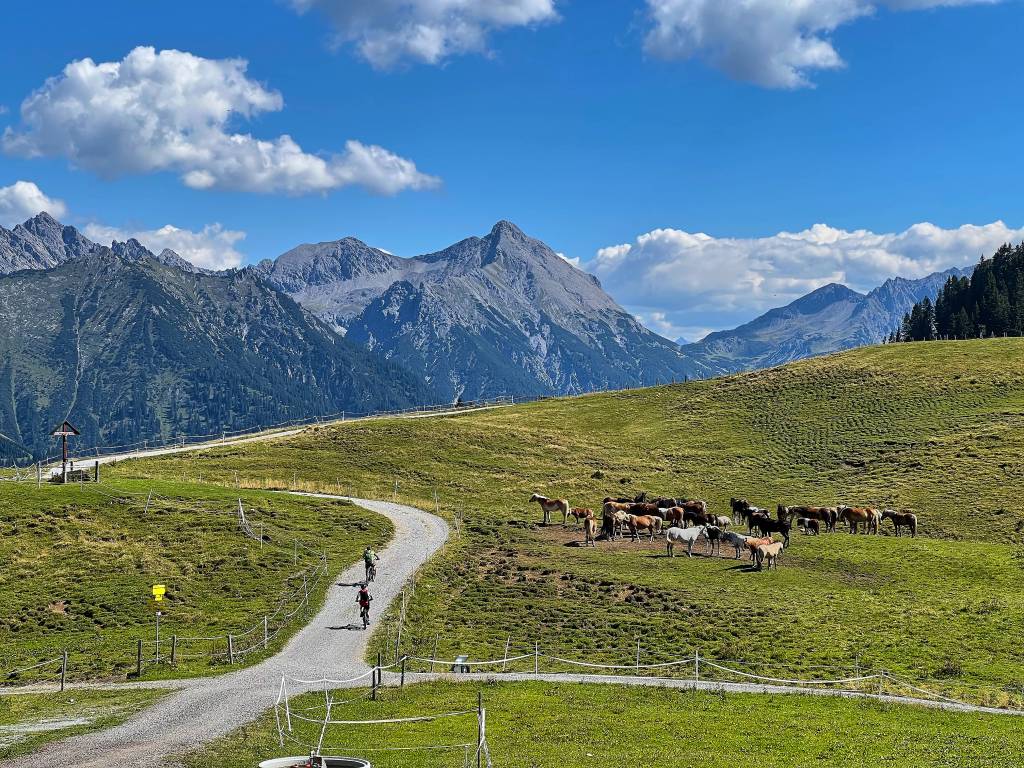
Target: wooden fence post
{"type": "Point", "coordinates": [174, 650]}
{"type": "Point", "coordinates": [266, 634]}
{"type": "Point", "coordinates": [96, 472]}
{"type": "Point", "coordinates": [138, 660]}
{"type": "Point", "coordinates": [63, 669]}
{"type": "Point", "coordinates": [231, 649]}
{"type": "Point", "coordinates": [403, 673]}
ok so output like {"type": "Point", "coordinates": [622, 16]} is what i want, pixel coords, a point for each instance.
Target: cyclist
{"type": "Point", "coordinates": [363, 599]}
{"type": "Point", "coordinates": [369, 558]}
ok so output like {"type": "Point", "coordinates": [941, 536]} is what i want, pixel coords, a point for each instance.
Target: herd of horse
{"type": "Point", "coordinates": [686, 521]}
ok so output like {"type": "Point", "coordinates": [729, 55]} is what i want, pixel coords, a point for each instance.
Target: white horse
{"type": "Point", "coordinates": [738, 540]}
{"type": "Point", "coordinates": [686, 536]}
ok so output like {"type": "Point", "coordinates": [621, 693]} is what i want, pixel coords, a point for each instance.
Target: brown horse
{"type": "Point", "coordinates": [581, 513]}
{"type": "Point", "coordinates": [643, 523]}
{"type": "Point", "coordinates": [808, 525]}
{"type": "Point", "coordinates": [752, 544]}
{"type": "Point", "coordinates": [900, 519]}
{"type": "Point", "coordinates": [646, 510]}
{"type": "Point", "coordinates": [589, 531]}
{"type": "Point", "coordinates": [856, 516]}
{"type": "Point", "coordinates": [551, 505]}
{"type": "Point", "coordinates": [674, 517]}
{"type": "Point", "coordinates": [827, 515]}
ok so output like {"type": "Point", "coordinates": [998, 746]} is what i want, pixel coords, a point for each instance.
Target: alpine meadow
{"type": "Point", "coordinates": [512, 384]}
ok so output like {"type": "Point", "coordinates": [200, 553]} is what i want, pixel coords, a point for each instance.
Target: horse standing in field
{"type": "Point", "coordinates": [755, 518]}
{"type": "Point", "coordinates": [638, 523]}
{"type": "Point", "coordinates": [767, 526]}
{"type": "Point", "coordinates": [857, 516]}
{"type": "Point", "coordinates": [687, 536]}
{"type": "Point", "coordinates": [752, 544]}
{"type": "Point", "coordinates": [720, 521]}
{"type": "Point", "coordinates": [826, 515]}
{"type": "Point", "coordinates": [900, 519]}
{"type": "Point", "coordinates": [771, 553]}
{"type": "Point", "coordinates": [714, 536]}
{"type": "Point", "coordinates": [551, 505]}
{"type": "Point", "coordinates": [808, 525]}
{"type": "Point", "coordinates": [589, 531]}
{"type": "Point", "coordinates": [646, 510]}
{"type": "Point", "coordinates": [614, 518]}
{"type": "Point", "coordinates": [581, 513]}
{"type": "Point", "coordinates": [738, 540]}
{"type": "Point", "coordinates": [695, 517]}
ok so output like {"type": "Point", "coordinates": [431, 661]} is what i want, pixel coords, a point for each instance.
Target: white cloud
{"type": "Point", "coordinates": [575, 260]}
{"type": "Point", "coordinates": [170, 111]}
{"type": "Point", "coordinates": [696, 281]}
{"type": "Point", "coordinates": [213, 247]}
{"type": "Point", "coordinates": [774, 43]}
{"type": "Point", "coordinates": [23, 199]}
{"type": "Point", "coordinates": [388, 32]}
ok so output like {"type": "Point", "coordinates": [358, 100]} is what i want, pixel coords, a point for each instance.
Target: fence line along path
{"type": "Point", "coordinates": [207, 708]}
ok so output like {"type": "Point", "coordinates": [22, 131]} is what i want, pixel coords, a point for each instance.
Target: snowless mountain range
{"type": "Point", "coordinates": [501, 314]}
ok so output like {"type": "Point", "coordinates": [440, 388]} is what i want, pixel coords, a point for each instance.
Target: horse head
{"type": "Point", "coordinates": [537, 497]}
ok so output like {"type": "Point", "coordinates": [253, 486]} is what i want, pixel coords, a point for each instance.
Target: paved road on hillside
{"type": "Point", "coordinates": [208, 708]}
{"type": "Point", "coordinates": [260, 437]}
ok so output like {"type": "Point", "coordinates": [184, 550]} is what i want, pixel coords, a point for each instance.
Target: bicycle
{"type": "Point", "coordinates": [371, 573]}
{"type": "Point", "coordinates": [364, 612]}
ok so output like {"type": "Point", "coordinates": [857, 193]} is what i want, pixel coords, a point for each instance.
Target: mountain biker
{"type": "Point", "coordinates": [363, 599]}
{"type": "Point", "coordinates": [369, 558]}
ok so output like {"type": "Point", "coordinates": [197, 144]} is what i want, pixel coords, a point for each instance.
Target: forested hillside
{"type": "Point", "coordinates": [988, 303]}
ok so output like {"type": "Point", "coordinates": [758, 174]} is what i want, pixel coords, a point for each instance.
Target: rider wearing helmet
{"type": "Point", "coordinates": [369, 558]}
{"type": "Point", "coordinates": [363, 599]}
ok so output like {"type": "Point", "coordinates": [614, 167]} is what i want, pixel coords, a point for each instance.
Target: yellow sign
{"type": "Point", "coordinates": [159, 590]}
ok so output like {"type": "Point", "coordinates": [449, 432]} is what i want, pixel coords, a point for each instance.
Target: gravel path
{"type": "Point", "coordinates": [208, 708]}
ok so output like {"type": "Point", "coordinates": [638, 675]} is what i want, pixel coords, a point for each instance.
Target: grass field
{"type": "Point", "coordinates": [79, 563]}
{"type": "Point", "coordinates": [932, 427]}
{"type": "Point", "coordinates": [538, 725]}
{"type": "Point", "coordinates": [29, 720]}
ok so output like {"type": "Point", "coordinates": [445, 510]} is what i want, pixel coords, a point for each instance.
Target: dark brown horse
{"type": "Point", "coordinates": [900, 519]}
{"type": "Point", "coordinates": [856, 516]}
{"type": "Point", "coordinates": [827, 515]}
{"type": "Point", "coordinates": [767, 526]}
{"type": "Point", "coordinates": [646, 510]}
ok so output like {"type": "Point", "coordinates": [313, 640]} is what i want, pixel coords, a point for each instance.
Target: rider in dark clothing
{"type": "Point", "coordinates": [363, 599]}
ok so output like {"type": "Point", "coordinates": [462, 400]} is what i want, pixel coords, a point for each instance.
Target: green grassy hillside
{"type": "Point", "coordinates": [933, 427]}
{"type": "Point", "coordinates": [79, 563]}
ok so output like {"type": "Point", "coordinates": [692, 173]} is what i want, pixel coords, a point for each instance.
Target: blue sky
{"type": "Point", "coordinates": [600, 127]}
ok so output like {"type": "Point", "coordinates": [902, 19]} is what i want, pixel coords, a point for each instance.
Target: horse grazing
{"type": "Point", "coordinates": [738, 540]}
{"type": "Point", "coordinates": [900, 519]}
{"type": "Point", "coordinates": [720, 521]}
{"type": "Point", "coordinates": [664, 502]}
{"type": "Point", "coordinates": [639, 523]}
{"type": "Point", "coordinates": [551, 505]}
{"type": "Point", "coordinates": [808, 525]}
{"type": "Point", "coordinates": [581, 513]}
{"type": "Point", "coordinates": [687, 536]}
{"type": "Point", "coordinates": [614, 519]}
{"type": "Point", "coordinates": [589, 529]}
{"type": "Point", "coordinates": [767, 526]}
{"type": "Point", "coordinates": [738, 507]}
{"type": "Point", "coordinates": [771, 553]}
{"type": "Point", "coordinates": [752, 544]}
{"type": "Point", "coordinates": [856, 516]}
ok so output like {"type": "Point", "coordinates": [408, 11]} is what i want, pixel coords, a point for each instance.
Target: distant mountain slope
{"type": "Point", "coordinates": [130, 348]}
{"type": "Point", "coordinates": [830, 319]}
{"type": "Point", "coordinates": [487, 316]}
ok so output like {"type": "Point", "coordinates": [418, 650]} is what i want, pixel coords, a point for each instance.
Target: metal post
{"type": "Point", "coordinates": [479, 728]}
{"type": "Point", "coordinates": [696, 666]}
{"type": "Point", "coordinates": [305, 599]}
{"type": "Point", "coordinates": [39, 474]}
{"type": "Point", "coordinates": [138, 660]}
{"type": "Point", "coordinates": [158, 637]}
{"type": "Point", "coordinates": [231, 649]}
{"type": "Point", "coordinates": [261, 537]}
{"type": "Point", "coordinates": [266, 634]}
{"type": "Point", "coordinates": [638, 655]}
{"type": "Point", "coordinates": [63, 669]}
{"type": "Point", "coordinates": [403, 673]}
{"type": "Point", "coordinates": [536, 658]}
{"type": "Point", "coordinates": [148, 500]}
{"type": "Point", "coordinates": [433, 654]}
{"type": "Point", "coordinates": [174, 650]}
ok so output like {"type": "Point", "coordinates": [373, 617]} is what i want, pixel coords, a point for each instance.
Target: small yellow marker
{"type": "Point", "coordinates": [159, 590]}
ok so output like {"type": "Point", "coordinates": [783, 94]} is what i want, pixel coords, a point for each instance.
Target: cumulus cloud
{"type": "Point", "coordinates": [213, 247]}
{"type": "Point", "coordinates": [23, 199]}
{"type": "Point", "coordinates": [388, 32]}
{"type": "Point", "coordinates": [171, 111]}
{"type": "Point", "coordinates": [773, 43]}
{"type": "Point", "coordinates": [678, 280]}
